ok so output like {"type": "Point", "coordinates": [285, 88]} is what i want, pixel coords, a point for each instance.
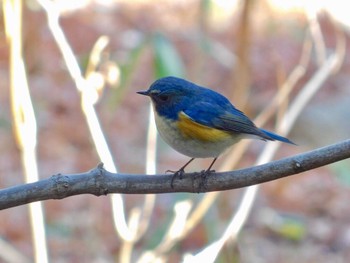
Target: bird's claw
{"type": "Point", "coordinates": [180, 173]}
{"type": "Point", "coordinates": [205, 173]}
{"type": "Point", "coordinates": [203, 184]}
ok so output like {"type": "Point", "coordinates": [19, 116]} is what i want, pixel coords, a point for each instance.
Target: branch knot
{"type": "Point", "coordinates": [61, 185]}
{"type": "Point", "coordinates": [100, 183]}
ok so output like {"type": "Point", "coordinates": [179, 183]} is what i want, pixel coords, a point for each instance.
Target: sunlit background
{"type": "Point", "coordinates": [247, 50]}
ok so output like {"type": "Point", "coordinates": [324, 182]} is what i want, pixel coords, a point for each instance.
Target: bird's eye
{"type": "Point", "coordinates": [163, 98]}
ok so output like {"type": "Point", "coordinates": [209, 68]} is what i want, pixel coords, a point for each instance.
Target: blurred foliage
{"type": "Point", "coordinates": [291, 228]}
{"type": "Point", "coordinates": [128, 70]}
{"type": "Point", "coordinates": [167, 61]}
{"type": "Point", "coordinates": [342, 172]}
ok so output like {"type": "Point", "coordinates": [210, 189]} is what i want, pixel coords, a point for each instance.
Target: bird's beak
{"type": "Point", "coordinates": [146, 93]}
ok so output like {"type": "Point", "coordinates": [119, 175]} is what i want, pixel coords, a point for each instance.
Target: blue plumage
{"type": "Point", "coordinates": [200, 122]}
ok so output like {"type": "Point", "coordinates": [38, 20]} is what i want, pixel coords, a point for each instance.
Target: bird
{"type": "Point", "coordinates": [199, 122]}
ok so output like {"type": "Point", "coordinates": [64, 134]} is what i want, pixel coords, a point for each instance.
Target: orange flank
{"type": "Point", "coordinates": [194, 130]}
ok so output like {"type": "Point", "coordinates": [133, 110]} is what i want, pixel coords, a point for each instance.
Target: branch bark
{"type": "Point", "coordinates": [101, 182]}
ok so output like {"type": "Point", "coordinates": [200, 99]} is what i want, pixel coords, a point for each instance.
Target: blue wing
{"type": "Point", "coordinates": [225, 116]}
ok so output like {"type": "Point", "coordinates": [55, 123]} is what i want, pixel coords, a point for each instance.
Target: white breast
{"type": "Point", "coordinates": [193, 148]}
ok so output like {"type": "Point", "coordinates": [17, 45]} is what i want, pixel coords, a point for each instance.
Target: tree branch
{"type": "Point", "coordinates": [101, 182]}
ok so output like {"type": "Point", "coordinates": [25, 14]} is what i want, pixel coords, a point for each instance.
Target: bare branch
{"type": "Point", "coordinates": [101, 182]}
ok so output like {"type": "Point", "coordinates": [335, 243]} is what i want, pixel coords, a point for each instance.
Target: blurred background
{"type": "Point", "coordinates": [245, 50]}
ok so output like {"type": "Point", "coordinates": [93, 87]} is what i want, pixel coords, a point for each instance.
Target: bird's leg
{"type": "Point", "coordinates": [204, 174]}
{"type": "Point", "coordinates": [179, 173]}
{"type": "Point", "coordinates": [210, 166]}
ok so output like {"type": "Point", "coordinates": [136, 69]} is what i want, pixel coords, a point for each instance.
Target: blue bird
{"type": "Point", "coordinates": [199, 122]}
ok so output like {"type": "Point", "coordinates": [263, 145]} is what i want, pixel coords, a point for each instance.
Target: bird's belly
{"type": "Point", "coordinates": [190, 146]}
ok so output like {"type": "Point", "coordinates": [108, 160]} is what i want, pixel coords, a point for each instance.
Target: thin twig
{"type": "Point", "coordinates": [144, 214]}
{"type": "Point", "coordinates": [25, 126]}
{"type": "Point", "coordinates": [89, 98]}
{"type": "Point", "coordinates": [9, 254]}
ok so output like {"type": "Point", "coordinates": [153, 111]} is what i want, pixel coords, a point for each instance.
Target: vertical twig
{"type": "Point", "coordinates": [316, 34]}
{"type": "Point", "coordinates": [149, 201]}
{"type": "Point", "coordinates": [150, 169]}
{"type": "Point", "coordinates": [241, 75]}
{"type": "Point", "coordinates": [89, 97]}
{"type": "Point", "coordinates": [24, 121]}
{"type": "Point", "coordinates": [9, 254]}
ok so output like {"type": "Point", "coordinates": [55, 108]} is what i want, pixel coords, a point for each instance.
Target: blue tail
{"type": "Point", "coordinates": [276, 137]}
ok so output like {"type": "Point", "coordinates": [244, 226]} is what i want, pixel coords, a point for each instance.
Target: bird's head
{"type": "Point", "coordinates": [170, 95]}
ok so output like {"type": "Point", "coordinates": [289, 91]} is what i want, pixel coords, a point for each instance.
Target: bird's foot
{"type": "Point", "coordinates": [180, 173]}
{"type": "Point", "coordinates": [203, 183]}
